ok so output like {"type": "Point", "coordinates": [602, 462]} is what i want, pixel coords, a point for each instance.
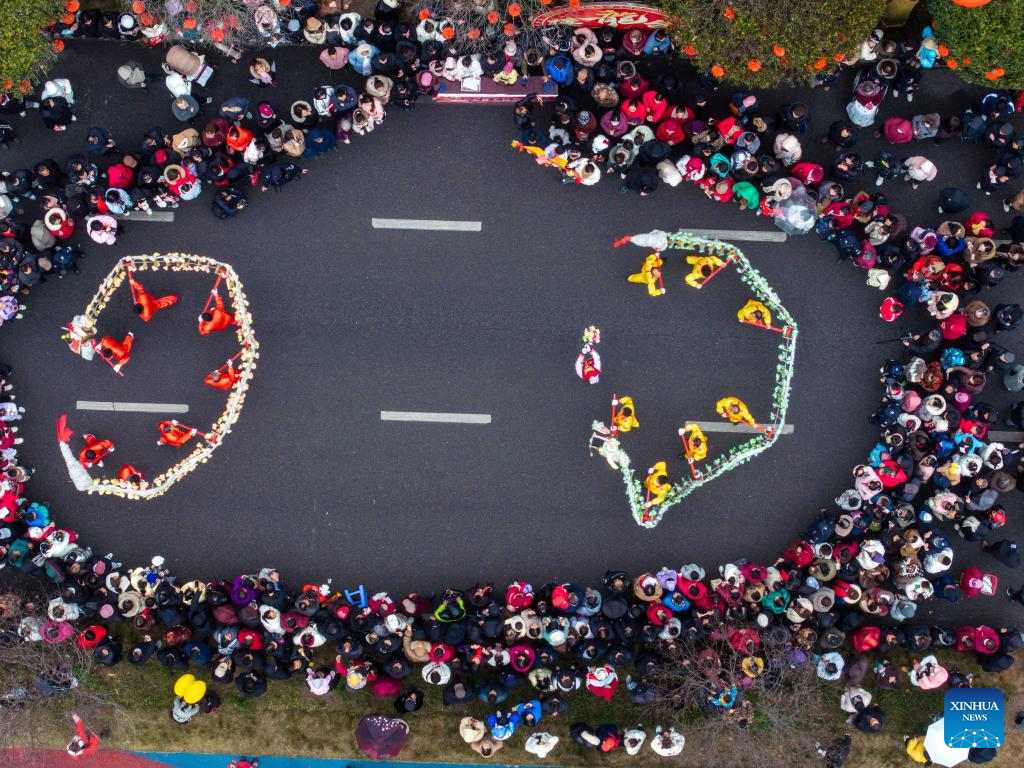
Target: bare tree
{"type": "Point", "coordinates": [484, 26]}
{"type": "Point", "coordinates": [42, 683]}
{"type": "Point", "coordinates": [756, 709]}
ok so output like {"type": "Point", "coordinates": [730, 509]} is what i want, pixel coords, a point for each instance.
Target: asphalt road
{"type": "Point", "coordinates": [354, 320]}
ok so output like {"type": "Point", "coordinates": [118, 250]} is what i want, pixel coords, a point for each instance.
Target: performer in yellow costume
{"type": "Point", "coordinates": [657, 483]}
{"type": "Point", "coordinates": [650, 275]}
{"type": "Point", "coordinates": [735, 410]}
{"type": "Point", "coordinates": [695, 443]}
{"type": "Point", "coordinates": [755, 313]}
{"type": "Point", "coordinates": [702, 267]}
{"type": "Point", "coordinates": [625, 414]}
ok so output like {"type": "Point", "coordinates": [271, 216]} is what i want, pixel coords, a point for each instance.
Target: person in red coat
{"type": "Point", "coordinates": [130, 474]}
{"type": "Point", "coordinates": [94, 451]}
{"type": "Point", "coordinates": [223, 378]}
{"type": "Point", "coordinates": [118, 353]}
{"type": "Point", "coordinates": [146, 304]}
{"type": "Point", "coordinates": [174, 433]}
{"type": "Point", "coordinates": [216, 318]}
{"type": "Point", "coordinates": [84, 742]}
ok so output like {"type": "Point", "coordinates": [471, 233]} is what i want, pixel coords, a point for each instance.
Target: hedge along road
{"type": "Point", "coordinates": [354, 321]}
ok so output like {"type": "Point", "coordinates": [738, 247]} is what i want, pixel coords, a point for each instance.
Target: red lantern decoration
{"type": "Point", "coordinates": [448, 33]}
{"type": "Point", "coordinates": [718, 71]}
{"type": "Point", "coordinates": [58, 45]}
{"type": "Point", "coordinates": [473, 34]}
{"type": "Point", "coordinates": [424, 14]}
{"type": "Point", "coordinates": [754, 65]}
{"type": "Point", "coordinates": [138, 6]}
{"type": "Point", "coordinates": [492, 17]}
{"type": "Point", "coordinates": [820, 63]}
{"type": "Point", "coordinates": [218, 35]}
{"type": "Point", "coordinates": [995, 74]}
{"type": "Point", "coordinates": [778, 50]}
{"type": "Point", "coordinates": [146, 19]}
{"type": "Point", "coordinates": [690, 50]}
{"type": "Point", "coordinates": [189, 22]}
{"type": "Point", "coordinates": [514, 10]}
{"type": "Point", "coordinates": [574, 4]}
{"type": "Point", "coordinates": [729, 13]}
{"type": "Point", "coordinates": [68, 18]}
{"type": "Point", "coordinates": [73, 6]}
{"type": "Point", "coordinates": [510, 29]}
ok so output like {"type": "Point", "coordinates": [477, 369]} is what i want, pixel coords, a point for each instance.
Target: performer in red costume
{"type": "Point", "coordinates": [174, 433]}
{"type": "Point", "coordinates": [84, 742]}
{"type": "Point", "coordinates": [146, 304]}
{"type": "Point", "coordinates": [130, 474]}
{"type": "Point", "coordinates": [223, 378]}
{"type": "Point", "coordinates": [215, 318]}
{"type": "Point", "coordinates": [117, 353]}
{"type": "Point", "coordinates": [94, 451]}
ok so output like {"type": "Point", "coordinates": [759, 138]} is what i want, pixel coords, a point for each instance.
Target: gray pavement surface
{"type": "Point", "coordinates": [354, 320]}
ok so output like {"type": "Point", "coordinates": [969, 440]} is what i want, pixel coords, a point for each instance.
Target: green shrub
{"type": "Point", "coordinates": [25, 52]}
{"type": "Point", "coordinates": [812, 33]}
{"type": "Point", "coordinates": [983, 40]}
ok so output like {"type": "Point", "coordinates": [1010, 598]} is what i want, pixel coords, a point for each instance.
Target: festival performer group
{"type": "Point", "coordinates": [81, 335]}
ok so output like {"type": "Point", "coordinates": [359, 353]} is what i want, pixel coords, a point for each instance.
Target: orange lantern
{"type": "Point", "coordinates": [820, 63]}
{"type": "Point", "coordinates": [717, 71]}
{"type": "Point", "coordinates": [943, 51]}
{"type": "Point", "coordinates": [510, 29]}
{"type": "Point", "coordinates": [138, 6]}
{"type": "Point", "coordinates": [778, 50]}
{"type": "Point", "coordinates": [68, 18]}
{"type": "Point", "coordinates": [189, 23]}
{"type": "Point", "coordinates": [58, 45]}
{"type": "Point", "coordinates": [8, 84]}
{"type": "Point", "coordinates": [146, 19]}
{"type": "Point", "coordinates": [730, 14]}
{"type": "Point", "coordinates": [574, 4]}
{"type": "Point", "coordinates": [217, 35]}
{"type": "Point", "coordinates": [995, 74]}
{"type": "Point", "coordinates": [424, 14]}
{"type": "Point", "coordinates": [492, 17]}
{"type": "Point", "coordinates": [24, 86]}
{"type": "Point", "coordinates": [690, 50]}
{"type": "Point", "coordinates": [838, 57]}
{"type": "Point", "coordinates": [473, 34]}
{"type": "Point", "coordinates": [545, 2]}
{"type": "Point", "coordinates": [284, 3]}
{"type": "Point", "coordinates": [514, 10]}
{"type": "Point", "coordinates": [73, 6]}
{"type": "Point", "coordinates": [754, 65]}
{"type": "Point", "coordinates": [448, 33]}
{"type": "Point", "coordinates": [952, 63]}
{"type": "Point", "coordinates": [971, 3]}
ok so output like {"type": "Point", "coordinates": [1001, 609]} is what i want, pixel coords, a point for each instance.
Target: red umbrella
{"type": "Point", "coordinates": [380, 736]}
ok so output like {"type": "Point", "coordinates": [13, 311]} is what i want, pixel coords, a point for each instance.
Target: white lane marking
{"type": "Point", "coordinates": [445, 418]}
{"type": "Point", "coordinates": [433, 224]}
{"type": "Point", "coordinates": [1005, 437]}
{"type": "Point", "coordinates": [768, 236]}
{"type": "Point", "coordinates": [161, 216]}
{"type": "Point", "coordinates": [100, 405]}
{"type": "Point", "coordinates": [721, 426]}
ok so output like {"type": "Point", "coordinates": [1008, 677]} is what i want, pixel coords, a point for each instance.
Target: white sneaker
{"type": "Point", "coordinates": [878, 181]}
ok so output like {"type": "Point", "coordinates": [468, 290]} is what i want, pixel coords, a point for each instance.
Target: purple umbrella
{"type": "Point", "coordinates": [380, 736]}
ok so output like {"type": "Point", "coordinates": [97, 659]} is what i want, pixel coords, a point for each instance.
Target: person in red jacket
{"type": "Point", "coordinates": [94, 451]}
{"type": "Point", "coordinates": [223, 378]}
{"type": "Point", "coordinates": [83, 742]}
{"type": "Point", "coordinates": [146, 304]}
{"type": "Point", "coordinates": [174, 433]}
{"type": "Point", "coordinates": [216, 318]}
{"type": "Point", "coordinates": [130, 474]}
{"type": "Point", "coordinates": [117, 353]}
